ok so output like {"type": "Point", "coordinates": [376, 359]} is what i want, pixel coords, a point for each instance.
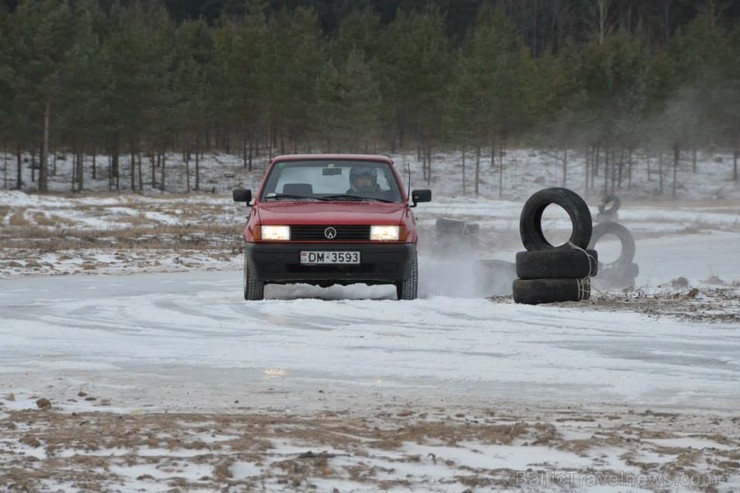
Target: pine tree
{"type": "Point", "coordinates": [494, 84]}
{"type": "Point", "coordinates": [191, 89]}
{"type": "Point", "coordinates": [43, 33]}
{"type": "Point", "coordinates": [614, 99]}
{"type": "Point", "coordinates": [80, 104]}
{"type": "Point", "coordinates": [243, 68]}
{"type": "Point", "coordinates": [360, 31]}
{"type": "Point", "coordinates": [347, 108]}
{"type": "Point", "coordinates": [137, 64]}
{"type": "Point", "coordinates": [296, 56]}
{"type": "Point", "coordinates": [414, 71]}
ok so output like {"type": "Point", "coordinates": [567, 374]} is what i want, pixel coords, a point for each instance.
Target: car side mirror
{"type": "Point", "coordinates": [422, 195]}
{"type": "Point", "coordinates": [241, 195]}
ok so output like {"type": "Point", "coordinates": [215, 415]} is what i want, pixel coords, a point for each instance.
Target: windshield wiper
{"type": "Point", "coordinates": [279, 196]}
{"type": "Point", "coordinates": [349, 197]}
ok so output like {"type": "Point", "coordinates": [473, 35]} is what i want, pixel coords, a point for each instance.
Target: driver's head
{"type": "Point", "coordinates": [363, 178]}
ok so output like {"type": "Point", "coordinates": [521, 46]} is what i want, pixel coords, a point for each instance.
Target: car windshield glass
{"type": "Point", "coordinates": [341, 180]}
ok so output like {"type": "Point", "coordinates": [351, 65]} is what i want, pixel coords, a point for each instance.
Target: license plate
{"type": "Point", "coordinates": [330, 257]}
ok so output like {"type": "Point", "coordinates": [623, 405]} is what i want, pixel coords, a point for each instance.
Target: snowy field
{"type": "Point", "coordinates": [130, 362]}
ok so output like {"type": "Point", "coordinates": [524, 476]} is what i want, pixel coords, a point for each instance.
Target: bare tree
{"type": "Point", "coordinates": [602, 19]}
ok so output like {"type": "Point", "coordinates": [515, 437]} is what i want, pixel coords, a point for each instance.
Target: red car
{"type": "Point", "coordinates": [331, 219]}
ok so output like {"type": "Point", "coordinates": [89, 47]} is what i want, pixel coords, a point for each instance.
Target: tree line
{"type": "Point", "coordinates": [139, 79]}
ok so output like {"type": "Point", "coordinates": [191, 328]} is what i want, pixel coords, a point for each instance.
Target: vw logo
{"type": "Point", "coordinates": [330, 233]}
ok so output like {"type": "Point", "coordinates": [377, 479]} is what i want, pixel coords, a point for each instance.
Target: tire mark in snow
{"type": "Point", "coordinates": [196, 324]}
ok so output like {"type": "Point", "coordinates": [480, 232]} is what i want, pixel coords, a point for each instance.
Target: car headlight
{"type": "Point", "coordinates": [385, 233]}
{"type": "Point", "coordinates": [275, 233]}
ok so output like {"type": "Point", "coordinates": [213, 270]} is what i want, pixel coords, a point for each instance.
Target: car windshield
{"type": "Point", "coordinates": [332, 180]}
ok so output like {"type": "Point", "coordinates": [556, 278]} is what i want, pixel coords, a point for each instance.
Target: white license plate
{"type": "Point", "coordinates": [330, 257]}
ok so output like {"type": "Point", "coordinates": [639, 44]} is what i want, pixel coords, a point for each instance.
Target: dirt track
{"type": "Point", "coordinates": [383, 449]}
{"type": "Point", "coordinates": [53, 446]}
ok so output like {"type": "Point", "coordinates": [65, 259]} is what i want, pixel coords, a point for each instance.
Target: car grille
{"type": "Point", "coordinates": [316, 233]}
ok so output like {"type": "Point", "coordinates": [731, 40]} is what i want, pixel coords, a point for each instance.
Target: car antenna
{"type": "Point", "coordinates": [408, 171]}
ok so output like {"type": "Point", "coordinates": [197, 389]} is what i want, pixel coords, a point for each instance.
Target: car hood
{"type": "Point", "coordinates": [355, 213]}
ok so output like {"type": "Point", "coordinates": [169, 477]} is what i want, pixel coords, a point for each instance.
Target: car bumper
{"type": "Point", "coordinates": [280, 263]}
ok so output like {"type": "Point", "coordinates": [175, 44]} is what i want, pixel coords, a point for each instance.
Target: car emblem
{"type": "Point", "coordinates": [330, 233]}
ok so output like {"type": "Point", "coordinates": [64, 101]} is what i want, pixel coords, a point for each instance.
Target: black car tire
{"type": "Point", "coordinates": [456, 227]}
{"type": "Point", "coordinates": [557, 264]}
{"type": "Point", "coordinates": [254, 290]}
{"type": "Point", "coordinates": [613, 202]}
{"type": "Point", "coordinates": [408, 289]}
{"type": "Point", "coordinates": [530, 222]}
{"type": "Point", "coordinates": [536, 291]}
{"type": "Point", "coordinates": [625, 237]}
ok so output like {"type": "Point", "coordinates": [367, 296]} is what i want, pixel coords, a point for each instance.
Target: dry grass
{"type": "Point", "coordinates": [134, 223]}
{"type": "Point", "coordinates": [18, 219]}
{"type": "Point", "coordinates": [142, 237]}
{"type": "Point", "coordinates": [707, 304]}
{"type": "Point", "coordinates": [366, 449]}
{"type": "Point", "coordinates": [138, 234]}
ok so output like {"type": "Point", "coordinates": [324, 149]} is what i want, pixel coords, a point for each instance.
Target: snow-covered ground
{"type": "Point", "coordinates": [166, 380]}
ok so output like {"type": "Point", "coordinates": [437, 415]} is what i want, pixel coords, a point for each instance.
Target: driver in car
{"type": "Point", "coordinates": [363, 180]}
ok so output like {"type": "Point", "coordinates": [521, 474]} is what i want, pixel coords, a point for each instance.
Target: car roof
{"type": "Point", "coordinates": [334, 157]}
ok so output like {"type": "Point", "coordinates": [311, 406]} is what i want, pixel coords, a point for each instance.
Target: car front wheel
{"type": "Point", "coordinates": [253, 289]}
{"type": "Point", "coordinates": [407, 290]}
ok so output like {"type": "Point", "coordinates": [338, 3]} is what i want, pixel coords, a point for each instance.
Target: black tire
{"type": "Point", "coordinates": [530, 222]}
{"type": "Point", "coordinates": [557, 264]}
{"type": "Point", "coordinates": [625, 237]}
{"type": "Point", "coordinates": [254, 290]}
{"type": "Point", "coordinates": [536, 291]}
{"type": "Point", "coordinates": [456, 227]}
{"type": "Point", "coordinates": [610, 205]}
{"type": "Point", "coordinates": [408, 289]}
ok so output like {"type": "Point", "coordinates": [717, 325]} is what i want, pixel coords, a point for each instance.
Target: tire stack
{"type": "Point", "coordinates": [548, 273]}
{"type": "Point", "coordinates": [621, 273]}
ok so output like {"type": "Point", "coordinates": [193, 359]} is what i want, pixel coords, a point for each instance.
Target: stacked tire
{"type": "Point", "coordinates": [548, 273]}
{"type": "Point", "coordinates": [620, 273]}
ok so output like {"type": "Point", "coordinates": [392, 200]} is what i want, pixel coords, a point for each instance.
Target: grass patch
{"type": "Point", "coordinates": [19, 219]}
